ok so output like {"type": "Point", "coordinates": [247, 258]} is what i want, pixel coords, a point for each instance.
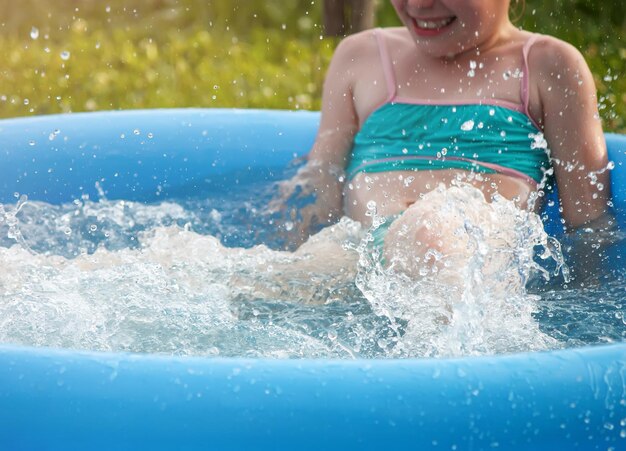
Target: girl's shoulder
{"type": "Point", "coordinates": [360, 52]}
{"type": "Point", "coordinates": [367, 42]}
{"type": "Point", "coordinates": [356, 55]}
{"type": "Point", "coordinates": [559, 78]}
{"type": "Point", "coordinates": [550, 54]}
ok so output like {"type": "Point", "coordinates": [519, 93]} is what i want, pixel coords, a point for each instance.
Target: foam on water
{"type": "Point", "coordinates": [124, 276]}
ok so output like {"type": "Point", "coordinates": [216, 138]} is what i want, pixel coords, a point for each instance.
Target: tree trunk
{"type": "Point", "coordinates": [342, 17]}
{"type": "Point", "coordinates": [363, 13]}
{"type": "Point", "coordinates": [334, 17]}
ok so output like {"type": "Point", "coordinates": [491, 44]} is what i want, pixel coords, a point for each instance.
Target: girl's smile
{"type": "Point", "coordinates": [431, 26]}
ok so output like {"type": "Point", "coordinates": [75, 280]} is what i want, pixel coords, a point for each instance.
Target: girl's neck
{"type": "Point", "coordinates": [500, 35]}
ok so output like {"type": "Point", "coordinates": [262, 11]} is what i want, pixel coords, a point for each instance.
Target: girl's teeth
{"type": "Point", "coordinates": [432, 24]}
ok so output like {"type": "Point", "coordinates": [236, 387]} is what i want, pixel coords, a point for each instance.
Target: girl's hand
{"type": "Point", "coordinates": [313, 198]}
{"type": "Point", "coordinates": [309, 201]}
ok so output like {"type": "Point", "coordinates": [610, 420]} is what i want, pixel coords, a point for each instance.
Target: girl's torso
{"type": "Point", "coordinates": [395, 73]}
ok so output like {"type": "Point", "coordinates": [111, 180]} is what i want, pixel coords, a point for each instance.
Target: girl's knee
{"type": "Point", "coordinates": [419, 239]}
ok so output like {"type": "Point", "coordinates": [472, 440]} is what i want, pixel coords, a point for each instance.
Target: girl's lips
{"type": "Point", "coordinates": [431, 27]}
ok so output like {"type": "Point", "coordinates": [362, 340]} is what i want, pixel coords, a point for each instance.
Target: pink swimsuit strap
{"type": "Point", "coordinates": [525, 88]}
{"type": "Point", "coordinates": [390, 77]}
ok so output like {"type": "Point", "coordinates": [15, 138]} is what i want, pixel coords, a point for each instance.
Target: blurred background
{"type": "Point", "coordinates": [87, 55]}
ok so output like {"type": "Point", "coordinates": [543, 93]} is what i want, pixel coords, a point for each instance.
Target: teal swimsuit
{"type": "Point", "coordinates": [486, 136]}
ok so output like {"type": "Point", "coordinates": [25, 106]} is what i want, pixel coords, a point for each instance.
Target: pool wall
{"type": "Point", "coordinates": [64, 399]}
{"type": "Point", "coordinates": [154, 154]}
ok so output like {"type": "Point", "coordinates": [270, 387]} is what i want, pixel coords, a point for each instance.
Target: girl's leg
{"type": "Point", "coordinates": [445, 231]}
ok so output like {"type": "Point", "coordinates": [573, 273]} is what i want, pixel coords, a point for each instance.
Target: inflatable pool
{"type": "Point", "coordinates": [66, 399]}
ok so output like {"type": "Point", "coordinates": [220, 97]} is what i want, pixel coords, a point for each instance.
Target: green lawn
{"type": "Point", "coordinates": [84, 55]}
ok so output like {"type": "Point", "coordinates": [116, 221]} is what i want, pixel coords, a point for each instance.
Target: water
{"type": "Point", "coordinates": [209, 276]}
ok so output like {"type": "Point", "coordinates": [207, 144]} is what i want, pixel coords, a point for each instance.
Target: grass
{"type": "Point", "coordinates": [127, 54]}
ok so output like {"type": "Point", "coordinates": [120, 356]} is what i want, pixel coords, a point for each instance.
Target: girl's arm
{"type": "Point", "coordinates": [339, 122]}
{"type": "Point", "coordinates": [320, 181]}
{"type": "Point", "coordinates": [573, 130]}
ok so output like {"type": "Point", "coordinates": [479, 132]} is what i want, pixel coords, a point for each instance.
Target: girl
{"type": "Point", "coordinates": [457, 93]}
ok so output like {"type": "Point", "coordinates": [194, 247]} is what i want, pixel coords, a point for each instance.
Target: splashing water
{"type": "Point", "coordinates": [472, 299]}
{"type": "Point", "coordinates": [8, 217]}
{"type": "Point", "coordinates": [125, 276]}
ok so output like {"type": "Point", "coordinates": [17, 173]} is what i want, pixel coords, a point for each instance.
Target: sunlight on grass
{"type": "Point", "coordinates": [83, 55]}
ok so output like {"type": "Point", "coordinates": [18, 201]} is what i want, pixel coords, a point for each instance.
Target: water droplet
{"type": "Point", "coordinates": [34, 33]}
{"type": "Point", "coordinates": [467, 125]}
{"type": "Point", "coordinates": [472, 65]}
{"type": "Point", "coordinates": [65, 55]}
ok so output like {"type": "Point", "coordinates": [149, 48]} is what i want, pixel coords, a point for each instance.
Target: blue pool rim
{"type": "Point", "coordinates": [60, 399]}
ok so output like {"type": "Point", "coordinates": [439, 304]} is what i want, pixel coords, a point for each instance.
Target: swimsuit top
{"type": "Point", "coordinates": [487, 136]}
